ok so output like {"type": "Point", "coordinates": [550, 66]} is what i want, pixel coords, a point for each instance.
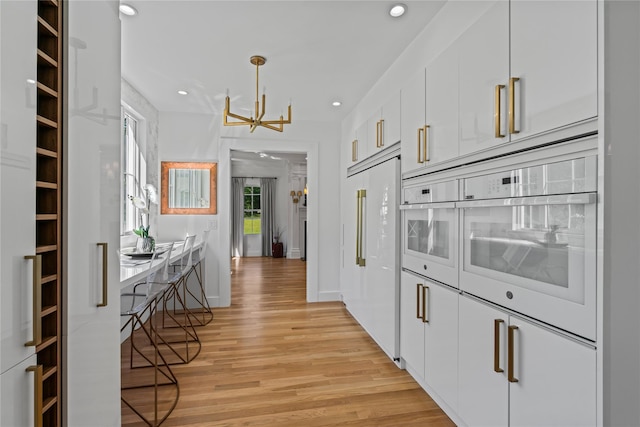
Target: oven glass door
{"type": "Point", "coordinates": [429, 241]}
{"type": "Point", "coordinates": [536, 255]}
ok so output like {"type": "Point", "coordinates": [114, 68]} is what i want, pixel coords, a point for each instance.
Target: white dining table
{"type": "Point", "coordinates": [135, 270]}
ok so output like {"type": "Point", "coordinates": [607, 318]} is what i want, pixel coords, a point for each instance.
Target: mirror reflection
{"type": "Point", "coordinates": [189, 188]}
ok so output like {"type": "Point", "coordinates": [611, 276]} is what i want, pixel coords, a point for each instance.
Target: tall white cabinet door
{"type": "Point", "coordinates": [412, 119]}
{"type": "Point", "coordinates": [350, 280]}
{"type": "Point", "coordinates": [441, 341]}
{"type": "Point", "coordinates": [557, 66]}
{"type": "Point", "coordinates": [17, 179]}
{"type": "Point", "coordinates": [556, 379]}
{"type": "Point", "coordinates": [381, 272]}
{"type": "Point", "coordinates": [92, 202]}
{"type": "Point", "coordinates": [442, 106]}
{"type": "Point", "coordinates": [483, 393]}
{"type": "Point", "coordinates": [17, 396]}
{"type": "Point", "coordinates": [484, 71]}
{"type": "Point", "coordinates": [411, 325]}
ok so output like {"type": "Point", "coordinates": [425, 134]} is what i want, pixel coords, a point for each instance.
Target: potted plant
{"type": "Point", "coordinates": [148, 195]}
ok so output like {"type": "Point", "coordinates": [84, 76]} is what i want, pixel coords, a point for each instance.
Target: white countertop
{"type": "Point", "coordinates": [135, 270]}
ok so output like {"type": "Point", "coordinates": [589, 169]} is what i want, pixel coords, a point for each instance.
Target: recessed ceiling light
{"type": "Point", "coordinates": [397, 10]}
{"type": "Point", "coordinates": [336, 103]}
{"type": "Point", "coordinates": [183, 92]}
{"type": "Point", "coordinates": [128, 9]}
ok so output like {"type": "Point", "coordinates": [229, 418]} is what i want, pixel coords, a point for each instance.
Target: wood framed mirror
{"type": "Point", "coordinates": [188, 188]}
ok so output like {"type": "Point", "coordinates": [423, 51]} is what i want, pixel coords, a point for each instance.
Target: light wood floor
{"type": "Point", "coordinates": [271, 359]}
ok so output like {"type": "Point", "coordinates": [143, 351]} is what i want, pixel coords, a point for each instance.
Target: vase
{"type": "Point", "coordinates": [145, 244]}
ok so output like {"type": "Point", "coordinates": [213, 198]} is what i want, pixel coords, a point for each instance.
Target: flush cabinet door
{"type": "Point", "coordinates": [484, 71]}
{"type": "Point", "coordinates": [411, 325]}
{"type": "Point", "coordinates": [361, 144]}
{"type": "Point", "coordinates": [17, 394]}
{"type": "Point", "coordinates": [92, 203]}
{"type": "Point", "coordinates": [442, 106]}
{"type": "Point", "coordinates": [557, 66]}
{"type": "Point", "coordinates": [412, 121]}
{"type": "Point", "coordinates": [483, 393]}
{"type": "Point", "coordinates": [390, 125]}
{"type": "Point", "coordinates": [351, 277]}
{"type": "Point", "coordinates": [556, 379]}
{"type": "Point", "coordinates": [441, 341]}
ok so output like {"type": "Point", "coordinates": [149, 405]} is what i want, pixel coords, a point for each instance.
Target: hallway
{"type": "Point", "coordinates": [271, 359]}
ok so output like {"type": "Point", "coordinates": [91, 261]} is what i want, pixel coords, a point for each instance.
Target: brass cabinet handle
{"type": "Point", "coordinates": [496, 117]}
{"type": "Point", "coordinates": [420, 130]}
{"type": "Point", "coordinates": [354, 150]}
{"type": "Point", "coordinates": [496, 345]}
{"type": "Point", "coordinates": [424, 304]}
{"type": "Point", "coordinates": [358, 207]}
{"type": "Point", "coordinates": [37, 394]}
{"type": "Point", "coordinates": [363, 195]}
{"type": "Point", "coordinates": [418, 315]}
{"type": "Point", "coordinates": [512, 104]}
{"type": "Point", "coordinates": [105, 269]}
{"type": "Point", "coordinates": [425, 143]}
{"type": "Point", "coordinates": [378, 134]}
{"type": "Point", "coordinates": [510, 363]}
{"type": "Point", "coordinates": [37, 300]}
{"type": "Point", "coordinates": [381, 133]}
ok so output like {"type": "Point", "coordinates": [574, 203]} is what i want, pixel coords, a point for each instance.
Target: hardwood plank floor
{"type": "Point", "coordinates": [271, 359]}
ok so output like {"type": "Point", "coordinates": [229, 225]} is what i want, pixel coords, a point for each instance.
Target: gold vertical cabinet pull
{"type": "Point", "coordinates": [497, 119]}
{"type": "Point", "coordinates": [424, 304]}
{"type": "Point", "coordinates": [105, 269]}
{"type": "Point", "coordinates": [511, 360]}
{"type": "Point", "coordinates": [512, 104]}
{"type": "Point", "coordinates": [418, 294]}
{"type": "Point", "coordinates": [358, 206]}
{"type": "Point", "coordinates": [380, 133]}
{"type": "Point", "coordinates": [37, 394]}
{"type": "Point", "coordinates": [496, 345]}
{"type": "Point", "coordinates": [354, 150]}
{"type": "Point", "coordinates": [420, 131]}
{"type": "Point", "coordinates": [425, 143]}
{"type": "Point", "coordinates": [362, 194]}
{"type": "Point", "coordinates": [37, 300]}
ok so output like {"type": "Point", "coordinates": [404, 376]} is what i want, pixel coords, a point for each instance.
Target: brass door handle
{"type": "Point", "coordinates": [354, 150]}
{"type": "Point", "coordinates": [498, 111]}
{"type": "Point", "coordinates": [418, 295]}
{"type": "Point", "coordinates": [358, 207]}
{"type": "Point", "coordinates": [37, 394]}
{"type": "Point", "coordinates": [105, 270]}
{"type": "Point", "coordinates": [420, 131]}
{"type": "Point", "coordinates": [37, 300]}
{"type": "Point", "coordinates": [363, 195]}
{"type": "Point", "coordinates": [424, 304]}
{"type": "Point", "coordinates": [496, 345]}
{"type": "Point", "coordinates": [425, 143]}
{"type": "Point", "coordinates": [512, 104]}
{"type": "Point", "coordinates": [380, 134]}
{"type": "Point", "coordinates": [511, 361]}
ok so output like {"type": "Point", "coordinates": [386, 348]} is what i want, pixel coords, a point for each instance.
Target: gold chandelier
{"type": "Point", "coordinates": [277, 125]}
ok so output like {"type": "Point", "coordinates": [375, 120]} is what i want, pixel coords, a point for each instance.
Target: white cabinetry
{"type": "Point", "coordinates": [17, 209]}
{"type": "Point", "coordinates": [370, 274]}
{"type": "Point", "coordinates": [413, 122]}
{"type": "Point", "coordinates": [512, 372]}
{"type": "Point", "coordinates": [517, 81]}
{"type": "Point", "coordinates": [92, 201]}
{"type": "Point", "coordinates": [379, 131]}
{"type": "Point", "coordinates": [429, 334]}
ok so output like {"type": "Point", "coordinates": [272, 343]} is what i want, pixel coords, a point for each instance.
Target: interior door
{"type": "Point", "coordinates": [92, 182]}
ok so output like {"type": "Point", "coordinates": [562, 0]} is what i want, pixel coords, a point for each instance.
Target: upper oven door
{"type": "Point", "coordinates": [535, 255]}
{"type": "Point", "coordinates": [429, 240]}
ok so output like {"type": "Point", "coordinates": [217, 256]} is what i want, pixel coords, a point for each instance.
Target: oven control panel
{"type": "Point", "coordinates": [415, 193]}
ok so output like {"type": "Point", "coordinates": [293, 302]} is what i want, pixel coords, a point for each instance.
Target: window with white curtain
{"type": "Point", "coordinates": [134, 168]}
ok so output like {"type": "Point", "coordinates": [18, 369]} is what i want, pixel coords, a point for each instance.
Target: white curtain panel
{"type": "Point", "coordinates": [267, 217]}
{"type": "Point", "coordinates": [237, 217]}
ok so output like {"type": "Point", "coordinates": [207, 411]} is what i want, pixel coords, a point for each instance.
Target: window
{"type": "Point", "coordinates": [251, 210]}
{"type": "Point", "coordinates": [134, 167]}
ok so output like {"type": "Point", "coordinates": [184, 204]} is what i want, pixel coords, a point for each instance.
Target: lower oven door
{"type": "Point", "coordinates": [429, 237]}
{"type": "Point", "coordinates": [534, 255]}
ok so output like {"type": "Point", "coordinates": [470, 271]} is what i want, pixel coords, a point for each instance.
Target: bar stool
{"type": "Point", "coordinates": [204, 315]}
{"type": "Point", "coordinates": [140, 311]}
{"type": "Point", "coordinates": [175, 313]}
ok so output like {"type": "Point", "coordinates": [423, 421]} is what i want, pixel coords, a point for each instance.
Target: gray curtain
{"type": "Point", "coordinates": [268, 212]}
{"type": "Point", "coordinates": [237, 217]}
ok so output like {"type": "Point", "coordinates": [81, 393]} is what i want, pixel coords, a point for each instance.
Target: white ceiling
{"type": "Point", "coordinates": [317, 51]}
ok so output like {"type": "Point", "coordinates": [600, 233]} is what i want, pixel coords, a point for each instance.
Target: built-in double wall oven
{"type": "Point", "coordinates": [523, 238]}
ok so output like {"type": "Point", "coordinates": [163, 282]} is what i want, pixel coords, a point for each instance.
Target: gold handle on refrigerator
{"type": "Point", "coordinates": [418, 296]}
{"type": "Point", "coordinates": [496, 345]}
{"type": "Point", "coordinates": [512, 104]}
{"type": "Point", "coordinates": [510, 357]}
{"type": "Point", "coordinates": [358, 207]}
{"type": "Point", "coordinates": [424, 304]}
{"type": "Point", "coordinates": [105, 270]}
{"type": "Point", "coordinates": [420, 131]}
{"type": "Point", "coordinates": [37, 394]}
{"type": "Point", "coordinates": [362, 196]}
{"type": "Point", "coordinates": [425, 143]}
{"type": "Point", "coordinates": [354, 150]}
{"type": "Point", "coordinates": [37, 300]}
{"type": "Point", "coordinates": [497, 119]}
